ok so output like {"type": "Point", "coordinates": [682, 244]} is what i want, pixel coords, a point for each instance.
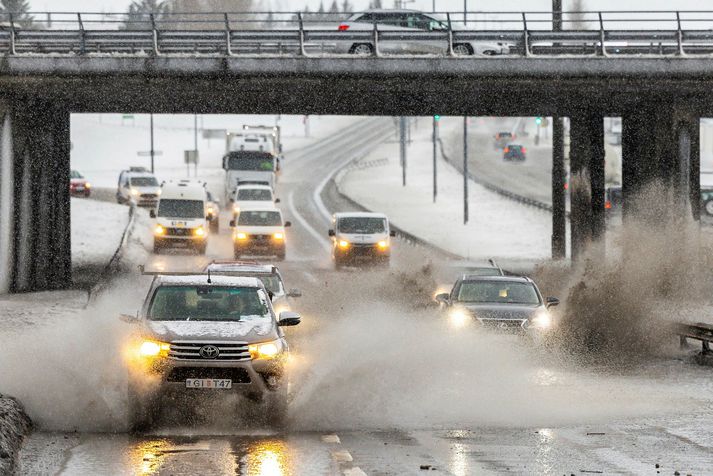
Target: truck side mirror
{"type": "Point", "coordinates": [392, 233]}
{"type": "Point", "coordinates": [551, 302]}
{"type": "Point", "coordinates": [331, 233]}
{"type": "Point", "coordinates": [277, 200]}
{"type": "Point", "coordinates": [443, 298]}
{"type": "Point", "coordinates": [129, 318]}
{"type": "Point", "coordinates": [232, 223]}
{"type": "Point", "coordinates": [288, 318]}
{"type": "Point", "coordinates": [288, 224]}
{"type": "Point", "coordinates": [152, 213]}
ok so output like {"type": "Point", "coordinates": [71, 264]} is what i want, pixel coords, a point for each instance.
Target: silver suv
{"type": "Point", "coordinates": [206, 335]}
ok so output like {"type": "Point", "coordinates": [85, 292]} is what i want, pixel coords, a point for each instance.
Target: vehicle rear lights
{"type": "Point", "coordinates": [343, 27]}
{"type": "Point", "coordinates": [523, 150]}
{"type": "Point", "coordinates": [506, 149]}
{"type": "Point", "coordinates": [607, 204]}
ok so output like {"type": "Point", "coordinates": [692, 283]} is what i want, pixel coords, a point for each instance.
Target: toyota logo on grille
{"type": "Point", "coordinates": [209, 352]}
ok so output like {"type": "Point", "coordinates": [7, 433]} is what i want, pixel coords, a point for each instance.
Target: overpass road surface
{"type": "Point", "coordinates": [381, 387]}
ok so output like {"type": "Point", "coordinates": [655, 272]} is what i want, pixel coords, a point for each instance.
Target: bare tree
{"type": "Point", "coordinates": [575, 19]}
{"type": "Point", "coordinates": [209, 14]}
{"type": "Point", "coordinates": [139, 14]}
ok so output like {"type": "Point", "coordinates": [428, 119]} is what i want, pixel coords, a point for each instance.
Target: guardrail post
{"type": "Point", "coordinates": [603, 48]}
{"type": "Point", "coordinates": [12, 35]}
{"type": "Point", "coordinates": [450, 35]}
{"type": "Point", "coordinates": [525, 35]}
{"type": "Point", "coordinates": [156, 51]}
{"type": "Point", "coordinates": [376, 39]}
{"type": "Point", "coordinates": [228, 45]}
{"type": "Point", "coordinates": [680, 35]}
{"type": "Point", "coordinates": [303, 52]}
{"type": "Point", "coordinates": [82, 36]}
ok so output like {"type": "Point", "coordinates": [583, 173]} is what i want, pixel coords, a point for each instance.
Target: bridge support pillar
{"type": "Point", "coordinates": [661, 164]}
{"type": "Point", "coordinates": [586, 185]}
{"type": "Point", "coordinates": [35, 238]}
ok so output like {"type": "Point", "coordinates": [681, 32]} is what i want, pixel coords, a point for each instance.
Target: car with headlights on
{"type": "Point", "coordinates": [249, 195]}
{"type": "Point", "coordinates": [282, 300]}
{"type": "Point", "coordinates": [505, 303]}
{"type": "Point", "coordinates": [139, 186]}
{"type": "Point", "coordinates": [259, 231]}
{"type": "Point", "coordinates": [360, 237]}
{"type": "Point", "coordinates": [205, 336]}
{"type": "Point", "coordinates": [78, 185]}
{"type": "Point", "coordinates": [182, 216]}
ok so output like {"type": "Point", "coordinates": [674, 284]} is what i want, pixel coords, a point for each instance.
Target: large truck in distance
{"type": "Point", "coordinates": [248, 166]}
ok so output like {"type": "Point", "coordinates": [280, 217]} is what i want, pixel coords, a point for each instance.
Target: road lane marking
{"type": "Point", "coordinates": [334, 439]}
{"type": "Point", "coordinates": [342, 456]}
{"type": "Point", "coordinates": [322, 240]}
{"type": "Point", "coordinates": [356, 471]}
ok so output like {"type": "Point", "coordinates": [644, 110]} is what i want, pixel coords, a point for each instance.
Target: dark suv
{"type": "Point", "coordinates": [507, 303]}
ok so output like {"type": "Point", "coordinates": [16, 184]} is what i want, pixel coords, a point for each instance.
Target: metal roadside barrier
{"type": "Point", "coordinates": [699, 331]}
{"type": "Point", "coordinates": [116, 257]}
{"type": "Point", "coordinates": [299, 34]}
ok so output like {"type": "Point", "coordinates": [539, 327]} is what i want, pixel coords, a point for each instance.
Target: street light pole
{"type": "Point", "coordinates": [465, 170]}
{"type": "Point", "coordinates": [465, 12]}
{"type": "Point", "coordinates": [435, 163]}
{"type": "Point", "coordinates": [195, 142]}
{"type": "Point", "coordinates": [152, 145]}
{"type": "Point", "coordinates": [402, 129]}
{"type": "Point", "coordinates": [559, 206]}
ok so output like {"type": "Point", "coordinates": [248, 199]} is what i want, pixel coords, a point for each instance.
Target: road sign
{"type": "Point", "coordinates": [214, 133]}
{"type": "Point", "coordinates": [147, 153]}
{"type": "Point", "coordinates": [190, 157]}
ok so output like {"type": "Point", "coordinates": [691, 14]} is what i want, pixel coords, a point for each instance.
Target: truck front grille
{"type": "Point", "coordinates": [232, 351]}
{"type": "Point", "coordinates": [179, 231]}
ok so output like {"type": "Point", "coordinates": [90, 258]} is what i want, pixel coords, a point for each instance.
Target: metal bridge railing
{"type": "Point", "coordinates": [601, 33]}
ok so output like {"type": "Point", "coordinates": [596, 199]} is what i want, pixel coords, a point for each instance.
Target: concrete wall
{"type": "Point", "coordinates": [6, 202]}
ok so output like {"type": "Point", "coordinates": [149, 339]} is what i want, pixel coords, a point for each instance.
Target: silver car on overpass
{"type": "Point", "coordinates": [413, 24]}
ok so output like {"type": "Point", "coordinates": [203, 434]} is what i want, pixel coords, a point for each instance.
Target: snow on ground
{"type": "Point", "coordinates": [105, 144]}
{"type": "Point", "coordinates": [97, 228]}
{"type": "Point", "coordinates": [498, 227]}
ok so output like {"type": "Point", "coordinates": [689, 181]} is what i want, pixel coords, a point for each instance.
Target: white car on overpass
{"type": "Point", "coordinates": [390, 21]}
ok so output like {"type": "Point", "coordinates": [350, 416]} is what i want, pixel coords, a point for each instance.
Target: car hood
{"type": "Point", "coordinates": [501, 311]}
{"type": "Point", "coordinates": [358, 238]}
{"type": "Point", "coordinates": [247, 331]}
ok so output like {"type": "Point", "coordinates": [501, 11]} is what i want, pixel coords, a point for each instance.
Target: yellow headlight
{"type": "Point", "coordinates": [383, 244]}
{"type": "Point", "coordinates": [278, 236]}
{"type": "Point", "coordinates": [458, 317]}
{"type": "Point", "coordinates": [134, 191]}
{"type": "Point", "coordinates": [267, 350]}
{"type": "Point", "coordinates": [236, 209]}
{"type": "Point", "coordinates": [542, 320]}
{"type": "Point", "coordinates": [150, 348]}
{"type": "Point", "coordinates": [159, 230]}
{"type": "Point", "coordinates": [343, 244]}
{"type": "Point", "coordinates": [200, 231]}
{"type": "Point", "coordinates": [241, 236]}
{"type": "Point", "coordinates": [211, 210]}
{"type": "Point", "coordinates": [87, 185]}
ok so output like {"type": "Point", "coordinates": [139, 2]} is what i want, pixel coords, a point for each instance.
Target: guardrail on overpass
{"type": "Point", "coordinates": [600, 33]}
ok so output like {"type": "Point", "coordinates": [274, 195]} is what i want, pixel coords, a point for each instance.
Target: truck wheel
{"type": "Point", "coordinates": [142, 411]}
{"type": "Point", "coordinates": [281, 255]}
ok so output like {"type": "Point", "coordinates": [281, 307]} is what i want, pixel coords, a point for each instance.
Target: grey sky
{"type": "Point", "coordinates": [442, 5]}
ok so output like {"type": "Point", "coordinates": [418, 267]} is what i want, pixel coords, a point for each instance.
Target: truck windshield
{"type": "Point", "coordinates": [498, 292]}
{"type": "Point", "coordinates": [252, 161]}
{"type": "Point", "coordinates": [180, 208]}
{"type": "Point", "coordinates": [260, 218]}
{"type": "Point", "coordinates": [144, 182]}
{"type": "Point", "coordinates": [254, 194]}
{"type": "Point", "coordinates": [208, 303]}
{"type": "Point", "coordinates": [364, 225]}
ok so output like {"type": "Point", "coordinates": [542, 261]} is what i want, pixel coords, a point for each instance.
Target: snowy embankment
{"type": "Point", "coordinates": [498, 227]}
{"type": "Point", "coordinates": [14, 426]}
{"type": "Point", "coordinates": [97, 228]}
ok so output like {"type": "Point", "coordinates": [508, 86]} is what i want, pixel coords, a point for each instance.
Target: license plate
{"type": "Point", "coordinates": [209, 383]}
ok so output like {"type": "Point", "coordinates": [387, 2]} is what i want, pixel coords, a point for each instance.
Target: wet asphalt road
{"type": "Point", "coordinates": [566, 420]}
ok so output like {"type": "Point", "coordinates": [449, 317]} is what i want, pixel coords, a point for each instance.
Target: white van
{"type": "Point", "coordinates": [259, 231]}
{"type": "Point", "coordinates": [253, 196]}
{"type": "Point", "coordinates": [359, 237]}
{"type": "Point", "coordinates": [139, 186]}
{"type": "Point", "coordinates": [181, 216]}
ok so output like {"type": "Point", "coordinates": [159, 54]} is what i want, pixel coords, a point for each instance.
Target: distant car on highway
{"type": "Point", "coordinates": [248, 195]}
{"type": "Point", "coordinates": [514, 152]}
{"type": "Point", "coordinates": [503, 138]}
{"type": "Point", "coordinates": [508, 303]}
{"type": "Point", "coordinates": [707, 200]}
{"type": "Point", "coordinates": [203, 337]}
{"type": "Point", "coordinates": [409, 21]}
{"type": "Point", "coordinates": [139, 186]}
{"type": "Point", "coordinates": [359, 237]}
{"type": "Point", "coordinates": [259, 231]}
{"type": "Point", "coordinates": [613, 199]}
{"type": "Point", "coordinates": [213, 209]}
{"type": "Point", "coordinates": [267, 273]}
{"type": "Point", "coordinates": [181, 216]}
{"type": "Point", "coordinates": [78, 185]}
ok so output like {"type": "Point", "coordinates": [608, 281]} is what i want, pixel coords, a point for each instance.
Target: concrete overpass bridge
{"type": "Point", "coordinates": [660, 94]}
